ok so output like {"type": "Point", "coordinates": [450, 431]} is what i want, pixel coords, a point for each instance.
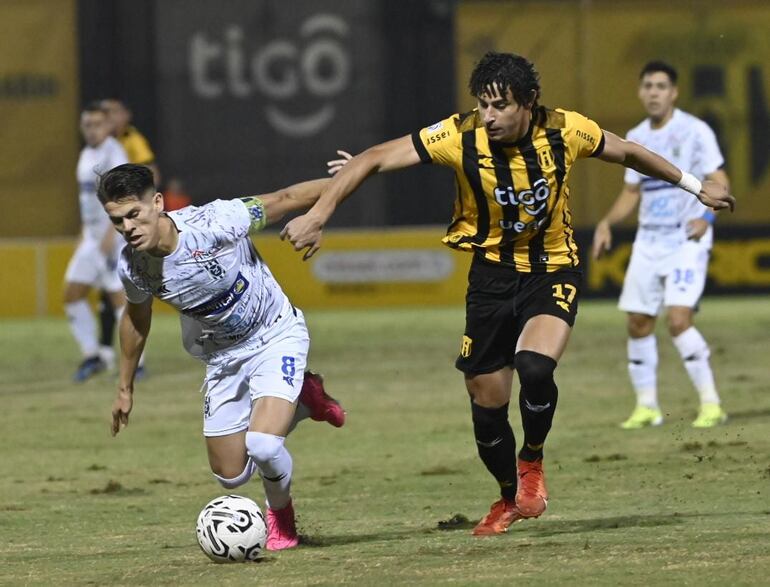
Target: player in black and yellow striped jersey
{"type": "Point", "coordinates": [511, 205]}
{"type": "Point", "coordinates": [511, 159]}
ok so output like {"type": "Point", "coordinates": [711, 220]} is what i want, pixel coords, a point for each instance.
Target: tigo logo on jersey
{"type": "Point", "coordinates": [435, 127]}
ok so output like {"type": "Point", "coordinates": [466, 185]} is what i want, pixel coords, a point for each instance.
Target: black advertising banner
{"type": "Point", "coordinates": [253, 96]}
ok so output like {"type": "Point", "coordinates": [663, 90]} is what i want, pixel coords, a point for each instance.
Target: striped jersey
{"type": "Point", "coordinates": [512, 198]}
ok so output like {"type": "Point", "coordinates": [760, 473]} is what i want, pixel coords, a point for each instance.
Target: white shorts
{"type": "Point", "coordinates": [90, 266]}
{"type": "Point", "coordinates": [270, 365]}
{"type": "Point", "coordinates": [662, 275]}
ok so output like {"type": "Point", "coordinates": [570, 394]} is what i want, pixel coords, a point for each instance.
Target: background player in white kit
{"type": "Point", "coordinates": [234, 317]}
{"type": "Point", "coordinates": [670, 255]}
{"type": "Point", "coordinates": [94, 262]}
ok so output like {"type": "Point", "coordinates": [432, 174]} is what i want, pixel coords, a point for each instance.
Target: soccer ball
{"type": "Point", "coordinates": [231, 528]}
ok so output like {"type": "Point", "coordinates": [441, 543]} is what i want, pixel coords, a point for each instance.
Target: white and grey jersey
{"type": "Point", "coordinates": [93, 163]}
{"type": "Point", "coordinates": [223, 290]}
{"type": "Point", "coordinates": [690, 144]}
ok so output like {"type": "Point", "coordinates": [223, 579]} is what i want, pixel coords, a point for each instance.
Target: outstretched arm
{"type": "Point", "coordinates": [134, 330]}
{"type": "Point", "coordinates": [633, 155]}
{"type": "Point", "coordinates": [306, 231]}
{"type": "Point", "coordinates": [270, 208]}
{"type": "Point", "coordinates": [623, 206]}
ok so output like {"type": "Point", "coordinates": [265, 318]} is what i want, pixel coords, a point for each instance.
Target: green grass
{"type": "Point", "coordinates": [670, 506]}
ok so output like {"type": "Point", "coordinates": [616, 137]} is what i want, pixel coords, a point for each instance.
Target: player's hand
{"type": "Point", "coordinates": [602, 239]}
{"type": "Point", "coordinates": [716, 196]}
{"type": "Point", "coordinates": [304, 232]}
{"type": "Point", "coordinates": [696, 228]}
{"type": "Point", "coordinates": [121, 408]}
{"type": "Point", "coordinates": [336, 164]}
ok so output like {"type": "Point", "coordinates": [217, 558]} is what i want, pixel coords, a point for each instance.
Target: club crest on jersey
{"type": "Point", "coordinates": [208, 260]}
{"type": "Point", "coordinates": [545, 159]}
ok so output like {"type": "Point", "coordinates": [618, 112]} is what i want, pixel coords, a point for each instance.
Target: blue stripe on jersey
{"type": "Point", "coordinates": [222, 302]}
{"type": "Point", "coordinates": [653, 185]}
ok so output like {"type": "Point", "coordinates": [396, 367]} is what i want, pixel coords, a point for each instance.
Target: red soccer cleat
{"type": "Point", "coordinates": [502, 514]}
{"type": "Point", "coordinates": [281, 529]}
{"type": "Point", "coordinates": [322, 406]}
{"type": "Point", "coordinates": [532, 496]}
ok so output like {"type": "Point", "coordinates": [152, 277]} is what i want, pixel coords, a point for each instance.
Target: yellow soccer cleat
{"type": "Point", "coordinates": [642, 417]}
{"type": "Point", "coordinates": [710, 415]}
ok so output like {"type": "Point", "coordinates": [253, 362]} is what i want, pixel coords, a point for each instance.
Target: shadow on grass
{"type": "Point", "coordinates": [554, 528]}
{"type": "Point", "coordinates": [749, 415]}
{"type": "Point", "coordinates": [541, 529]}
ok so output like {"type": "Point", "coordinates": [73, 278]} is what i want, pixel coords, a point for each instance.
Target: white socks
{"type": "Point", "coordinates": [642, 368]}
{"type": "Point", "coordinates": [248, 471]}
{"type": "Point", "coordinates": [83, 327]}
{"type": "Point", "coordinates": [695, 354]}
{"type": "Point", "coordinates": [275, 466]}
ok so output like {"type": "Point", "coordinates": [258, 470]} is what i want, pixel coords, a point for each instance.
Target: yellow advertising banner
{"type": "Point", "coordinates": [38, 125]}
{"type": "Point", "coordinates": [378, 268]}
{"type": "Point", "coordinates": [589, 55]}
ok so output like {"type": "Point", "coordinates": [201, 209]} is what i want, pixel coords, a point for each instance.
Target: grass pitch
{"type": "Point", "coordinates": [391, 497]}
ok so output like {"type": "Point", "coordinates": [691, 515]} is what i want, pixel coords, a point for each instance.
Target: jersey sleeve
{"type": "Point", "coordinates": [583, 136]}
{"type": "Point", "coordinates": [227, 220]}
{"type": "Point", "coordinates": [439, 143]}
{"type": "Point", "coordinates": [709, 155]}
{"type": "Point", "coordinates": [134, 294]}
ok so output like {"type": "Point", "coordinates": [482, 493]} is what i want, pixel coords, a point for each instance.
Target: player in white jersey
{"type": "Point", "coordinates": [669, 260]}
{"type": "Point", "coordinates": [93, 265]}
{"type": "Point", "coordinates": [234, 316]}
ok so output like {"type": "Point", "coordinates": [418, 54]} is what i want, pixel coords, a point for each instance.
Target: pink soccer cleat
{"type": "Point", "coordinates": [281, 529]}
{"type": "Point", "coordinates": [322, 406]}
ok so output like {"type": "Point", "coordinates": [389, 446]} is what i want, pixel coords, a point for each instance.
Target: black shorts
{"type": "Point", "coordinates": [498, 304]}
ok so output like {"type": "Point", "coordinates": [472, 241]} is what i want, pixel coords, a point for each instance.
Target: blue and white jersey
{"type": "Point", "coordinates": [223, 290]}
{"type": "Point", "coordinates": [94, 162]}
{"type": "Point", "coordinates": [690, 144]}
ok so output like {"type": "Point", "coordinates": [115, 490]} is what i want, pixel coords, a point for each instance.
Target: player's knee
{"type": "Point", "coordinates": [678, 322]}
{"type": "Point", "coordinates": [230, 476]}
{"type": "Point", "coordinates": [640, 326]}
{"type": "Point", "coordinates": [488, 417]}
{"type": "Point", "coordinates": [263, 448]}
{"type": "Point", "coordinates": [534, 369]}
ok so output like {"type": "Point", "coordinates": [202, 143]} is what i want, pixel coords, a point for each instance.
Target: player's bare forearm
{"type": "Point", "coordinates": [134, 330]}
{"type": "Point", "coordinates": [638, 158]}
{"type": "Point", "coordinates": [388, 156]}
{"type": "Point", "coordinates": [295, 198]}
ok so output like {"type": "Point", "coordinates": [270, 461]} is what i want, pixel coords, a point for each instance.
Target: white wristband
{"type": "Point", "coordinates": [690, 183]}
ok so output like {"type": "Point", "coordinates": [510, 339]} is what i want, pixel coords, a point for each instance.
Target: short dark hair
{"type": "Point", "coordinates": [125, 181]}
{"type": "Point", "coordinates": [509, 72]}
{"type": "Point", "coordinates": [660, 66]}
{"type": "Point", "coordinates": [94, 106]}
